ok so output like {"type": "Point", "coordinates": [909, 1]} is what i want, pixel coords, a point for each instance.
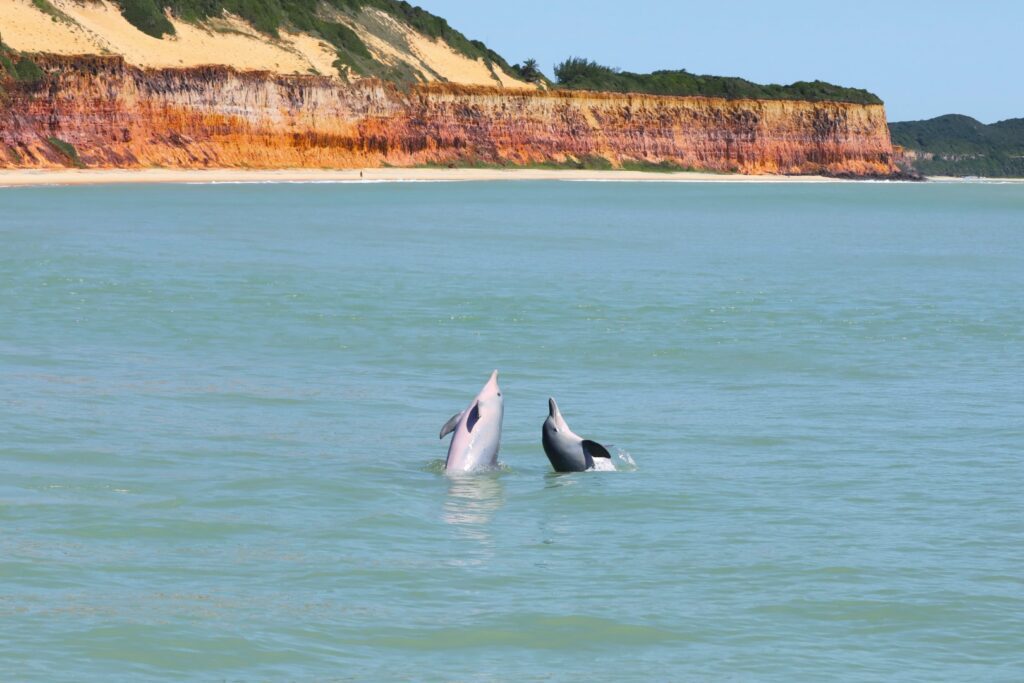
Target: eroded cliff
{"type": "Point", "coordinates": [117, 115]}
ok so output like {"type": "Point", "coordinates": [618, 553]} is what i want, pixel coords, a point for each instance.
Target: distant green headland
{"type": "Point", "coordinates": [958, 145]}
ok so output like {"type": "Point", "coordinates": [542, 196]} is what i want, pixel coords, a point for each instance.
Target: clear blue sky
{"type": "Point", "coordinates": [923, 58]}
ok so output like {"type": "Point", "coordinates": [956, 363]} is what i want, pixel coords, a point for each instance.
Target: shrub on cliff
{"type": "Point", "coordinates": [67, 150]}
{"type": "Point", "coordinates": [6, 65]}
{"type": "Point", "coordinates": [28, 71]}
{"type": "Point", "coordinates": [578, 71]}
{"type": "Point", "coordinates": [147, 16]}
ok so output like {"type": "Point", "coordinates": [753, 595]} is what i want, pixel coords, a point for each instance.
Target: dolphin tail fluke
{"type": "Point", "coordinates": [595, 450]}
{"type": "Point", "coordinates": [451, 424]}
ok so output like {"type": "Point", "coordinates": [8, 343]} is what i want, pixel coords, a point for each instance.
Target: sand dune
{"type": "Point", "coordinates": [97, 27]}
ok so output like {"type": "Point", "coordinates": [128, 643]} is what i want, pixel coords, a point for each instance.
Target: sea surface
{"type": "Point", "coordinates": [220, 405]}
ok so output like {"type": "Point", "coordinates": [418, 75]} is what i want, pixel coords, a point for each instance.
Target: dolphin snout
{"type": "Point", "coordinates": [492, 384]}
{"type": "Point", "coordinates": [552, 407]}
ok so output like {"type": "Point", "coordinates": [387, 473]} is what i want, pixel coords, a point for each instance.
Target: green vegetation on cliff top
{"type": "Point", "coordinates": [577, 73]}
{"type": "Point", "coordinates": [960, 146]}
{"type": "Point", "coordinates": [269, 16]}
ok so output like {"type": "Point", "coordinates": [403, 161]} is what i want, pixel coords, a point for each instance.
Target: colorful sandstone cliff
{"type": "Point", "coordinates": [100, 112]}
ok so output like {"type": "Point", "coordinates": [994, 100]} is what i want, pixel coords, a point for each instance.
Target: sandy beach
{"type": "Point", "coordinates": [27, 177]}
{"type": "Point", "coordinates": [19, 178]}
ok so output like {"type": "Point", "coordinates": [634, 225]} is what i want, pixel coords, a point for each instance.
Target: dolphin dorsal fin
{"type": "Point", "coordinates": [451, 424]}
{"type": "Point", "coordinates": [595, 450]}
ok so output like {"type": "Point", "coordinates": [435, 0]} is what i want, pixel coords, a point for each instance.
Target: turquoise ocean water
{"type": "Point", "coordinates": [219, 409]}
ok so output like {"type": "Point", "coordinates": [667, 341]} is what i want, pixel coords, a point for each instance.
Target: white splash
{"type": "Point", "coordinates": [626, 459]}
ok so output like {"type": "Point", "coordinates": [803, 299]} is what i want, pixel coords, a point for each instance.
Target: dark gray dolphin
{"type": "Point", "coordinates": [567, 451]}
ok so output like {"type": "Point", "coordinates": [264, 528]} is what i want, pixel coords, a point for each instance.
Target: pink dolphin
{"type": "Point", "coordinates": [477, 431]}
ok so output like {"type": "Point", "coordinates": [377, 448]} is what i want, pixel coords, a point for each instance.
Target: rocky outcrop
{"type": "Point", "coordinates": [116, 115]}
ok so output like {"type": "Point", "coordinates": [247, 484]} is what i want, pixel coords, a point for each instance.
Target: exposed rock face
{"type": "Point", "coordinates": [121, 116]}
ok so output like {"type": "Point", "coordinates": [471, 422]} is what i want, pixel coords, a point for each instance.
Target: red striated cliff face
{"type": "Point", "coordinates": [121, 116]}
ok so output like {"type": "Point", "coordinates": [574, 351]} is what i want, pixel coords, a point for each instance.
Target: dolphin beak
{"type": "Point", "coordinates": [552, 408]}
{"type": "Point", "coordinates": [492, 383]}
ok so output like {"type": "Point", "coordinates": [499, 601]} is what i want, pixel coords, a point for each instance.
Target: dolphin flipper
{"type": "Point", "coordinates": [593, 449]}
{"type": "Point", "coordinates": [451, 424]}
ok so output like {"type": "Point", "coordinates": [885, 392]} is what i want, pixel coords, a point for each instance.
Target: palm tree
{"type": "Point", "coordinates": [529, 71]}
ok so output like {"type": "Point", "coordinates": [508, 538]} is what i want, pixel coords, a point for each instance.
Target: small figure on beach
{"type": "Point", "coordinates": [476, 431]}
{"type": "Point", "coordinates": [569, 452]}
